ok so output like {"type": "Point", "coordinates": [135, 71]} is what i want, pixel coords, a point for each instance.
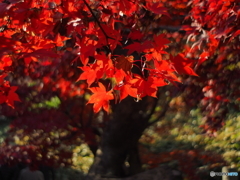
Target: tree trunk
{"type": "Point", "coordinates": [119, 143]}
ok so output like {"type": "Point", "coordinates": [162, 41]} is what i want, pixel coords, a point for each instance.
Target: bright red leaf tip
{"type": "Point", "coordinates": [12, 96]}
{"type": "Point", "coordinates": [88, 74]}
{"type": "Point", "coordinates": [100, 98]}
{"type": "Point", "coordinates": [60, 39]}
{"type": "Point", "coordinates": [203, 57]}
{"type": "Point", "coordinates": [5, 62]}
{"type": "Point", "coordinates": [144, 87]}
{"type": "Point", "coordinates": [183, 65]}
{"type": "Point", "coordinates": [161, 41]}
{"type": "Point", "coordinates": [157, 8]}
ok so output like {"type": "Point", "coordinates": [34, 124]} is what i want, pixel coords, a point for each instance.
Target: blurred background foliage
{"type": "Point", "coordinates": [175, 140]}
{"type": "Point", "coordinates": [178, 139]}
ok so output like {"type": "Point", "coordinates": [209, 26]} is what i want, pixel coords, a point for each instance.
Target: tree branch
{"type": "Point", "coordinates": [165, 106]}
{"type": "Point", "coordinates": [148, 116]}
{"type": "Point", "coordinates": [170, 28]}
{"type": "Point", "coordinates": [161, 115]}
{"type": "Point", "coordinates": [97, 21]}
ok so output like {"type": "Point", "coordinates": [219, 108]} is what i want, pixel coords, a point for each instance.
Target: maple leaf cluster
{"type": "Point", "coordinates": [217, 23]}
{"type": "Point", "coordinates": [7, 92]}
{"type": "Point", "coordinates": [213, 37]}
{"type": "Point", "coordinates": [106, 38]}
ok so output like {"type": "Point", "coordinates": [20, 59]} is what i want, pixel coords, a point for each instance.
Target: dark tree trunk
{"type": "Point", "coordinates": [119, 143]}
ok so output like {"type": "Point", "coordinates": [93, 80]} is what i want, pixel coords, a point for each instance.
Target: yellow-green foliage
{"type": "Point", "coordinates": [82, 158]}
{"type": "Point", "coordinates": [180, 131]}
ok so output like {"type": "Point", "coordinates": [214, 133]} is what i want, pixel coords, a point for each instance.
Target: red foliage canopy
{"type": "Point", "coordinates": [95, 33]}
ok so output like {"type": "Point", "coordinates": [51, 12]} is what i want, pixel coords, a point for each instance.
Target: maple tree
{"type": "Point", "coordinates": [108, 62]}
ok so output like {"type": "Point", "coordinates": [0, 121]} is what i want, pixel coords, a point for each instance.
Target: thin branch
{"type": "Point", "coordinates": [164, 110]}
{"type": "Point", "coordinates": [99, 24]}
{"type": "Point", "coordinates": [90, 119]}
{"type": "Point", "coordinates": [148, 116]}
{"type": "Point", "coordinates": [82, 111]}
{"type": "Point", "coordinates": [170, 28]}
{"type": "Point", "coordinates": [161, 115]}
{"type": "Point", "coordinates": [71, 118]}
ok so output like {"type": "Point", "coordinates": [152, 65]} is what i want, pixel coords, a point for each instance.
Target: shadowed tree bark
{"type": "Point", "coordinates": [119, 143]}
{"type": "Point", "coordinates": [120, 139]}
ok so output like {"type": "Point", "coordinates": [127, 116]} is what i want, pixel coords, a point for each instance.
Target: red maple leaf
{"type": "Point", "coordinates": [160, 42]}
{"type": "Point", "coordinates": [88, 74]}
{"type": "Point", "coordinates": [119, 75]}
{"type": "Point", "coordinates": [124, 63]}
{"type": "Point", "coordinates": [183, 65]}
{"type": "Point", "coordinates": [203, 57]}
{"type": "Point", "coordinates": [3, 8]}
{"type": "Point", "coordinates": [5, 62]}
{"type": "Point", "coordinates": [100, 98]}
{"type": "Point", "coordinates": [12, 96]}
{"type": "Point", "coordinates": [125, 90]}
{"type": "Point", "coordinates": [59, 40]}
{"type": "Point", "coordinates": [144, 87]}
{"type": "Point", "coordinates": [135, 34]}
{"type": "Point", "coordinates": [136, 46]}
{"type": "Point", "coordinates": [157, 8]}
{"type": "Point", "coordinates": [127, 7]}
